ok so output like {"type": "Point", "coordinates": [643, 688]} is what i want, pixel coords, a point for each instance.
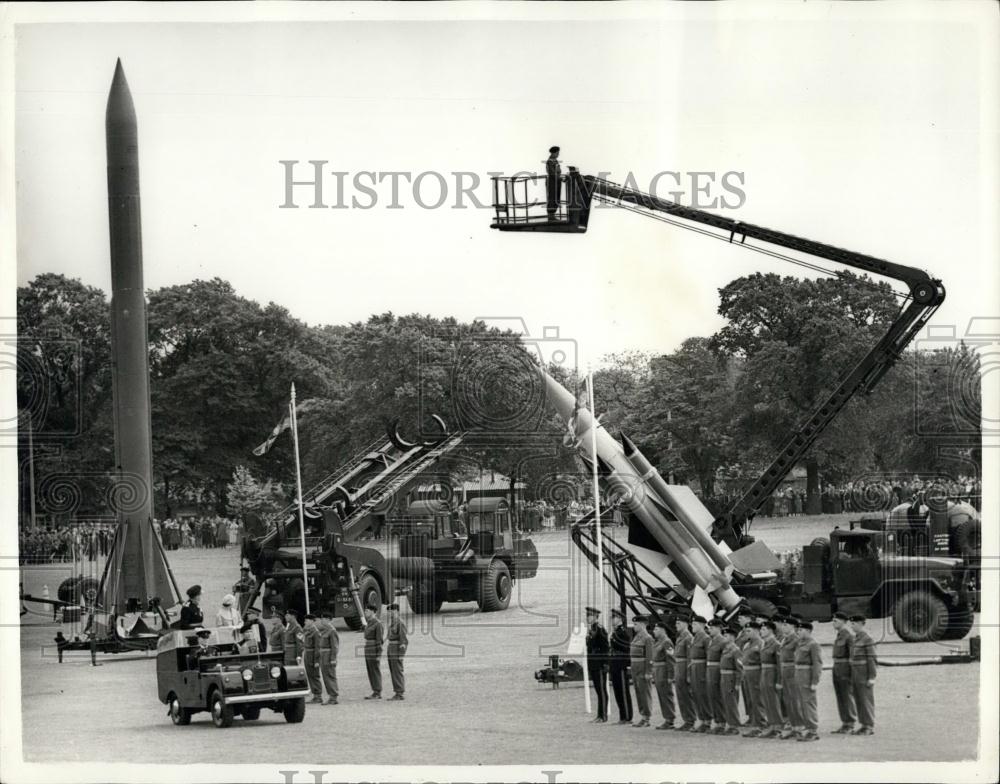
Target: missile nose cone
{"type": "Point", "coordinates": [120, 110]}
{"type": "Point", "coordinates": [628, 446]}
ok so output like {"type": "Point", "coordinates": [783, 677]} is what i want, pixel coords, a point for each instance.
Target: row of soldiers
{"type": "Point", "coordinates": [703, 669]}
{"type": "Point", "coordinates": [316, 646]}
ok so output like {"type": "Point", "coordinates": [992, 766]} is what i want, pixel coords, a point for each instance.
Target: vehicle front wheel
{"type": "Point", "coordinates": [222, 714]}
{"type": "Point", "coordinates": [495, 588]}
{"type": "Point", "coordinates": [920, 617]}
{"type": "Point", "coordinates": [295, 710]}
{"type": "Point", "coordinates": [178, 715]}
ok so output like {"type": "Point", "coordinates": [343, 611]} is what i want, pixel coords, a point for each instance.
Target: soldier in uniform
{"type": "Point", "coordinates": [842, 686]}
{"type": "Point", "coordinates": [640, 657]}
{"type": "Point", "coordinates": [730, 677]}
{"type": "Point", "coordinates": [552, 182]}
{"type": "Point", "coordinates": [329, 648]}
{"type": "Point", "coordinates": [770, 680]}
{"type": "Point", "coordinates": [276, 637]}
{"type": "Point", "coordinates": [751, 649]}
{"type": "Point", "coordinates": [682, 648]}
{"type": "Point", "coordinates": [808, 669]}
{"type": "Point", "coordinates": [398, 641]}
{"type": "Point", "coordinates": [598, 648]}
{"type": "Point", "coordinates": [744, 615]}
{"type": "Point", "coordinates": [252, 631]}
{"type": "Point", "coordinates": [374, 637]}
{"type": "Point", "coordinates": [713, 683]}
{"type": "Point", "coordinates": [621, 642]}
{"type": "Point", "coordinates": [310, 657]}
{"type": "Point", "coordinates": [663, 674]}
{"type": "Point", "coordinates": [293, 639]}
{"type": "Point", "coordinates": [789, 687]}
{"type": "Point", "coordinates": [864, 668]}
{"type": "Point", "coordinates": [697, 674]}
{"type": "Point", "coordinates": [191, 615]}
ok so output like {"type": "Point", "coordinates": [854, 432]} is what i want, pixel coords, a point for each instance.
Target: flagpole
{"type": "Point", "coordinates": [298, 482]}
{"type": "Point", "coordinates": [597, 495]}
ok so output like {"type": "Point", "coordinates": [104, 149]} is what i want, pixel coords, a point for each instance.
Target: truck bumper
{"type": "Point", "coordinates": [275, 697]}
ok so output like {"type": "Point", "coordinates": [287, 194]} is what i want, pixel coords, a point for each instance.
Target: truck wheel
{"type": "Point", "coordinates": [68, 590]}
{"type": "Point", "coordinates": [178, 715]}
{"type": "Point", "coordinates": [251, 713]}
{"type": "Point", "coordinates": [762, 607]}
{"type": "Point", "coordinates": [222, 714]}
{"type": "Point", "coordinates": [295, 710]}
{"type": "Point", "coordinates": [959, 624]}
{"type": "Point", "coordinates": [424, 599]}
{"type": "Point", "coordinates": [495, 588]}
{"type": "Point", "coordinates": [370, 595]}
{"type": "Point", "coordinates": [920, 617]}
{"type": "Point", "coordinates": [88, 591]}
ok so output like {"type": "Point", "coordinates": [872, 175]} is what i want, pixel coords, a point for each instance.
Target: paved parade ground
{"type": "Point", "coordinates": [471, 695]}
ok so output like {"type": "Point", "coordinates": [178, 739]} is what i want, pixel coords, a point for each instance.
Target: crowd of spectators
{"type": "Point", "coordinates": [90, 541]}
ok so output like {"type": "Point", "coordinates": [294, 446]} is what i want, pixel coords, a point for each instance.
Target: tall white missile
{"type": "Point", "coordinates": [697, 561]}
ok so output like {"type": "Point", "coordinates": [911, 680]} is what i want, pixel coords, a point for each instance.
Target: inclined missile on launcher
{"type": "Point", "coordinates": [695, 559]}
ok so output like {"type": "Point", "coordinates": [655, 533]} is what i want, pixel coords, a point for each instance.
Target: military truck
{"type": "Point", "coordinates": [862, 570]}
{"type": "Point", "coordinates": [444, 560]}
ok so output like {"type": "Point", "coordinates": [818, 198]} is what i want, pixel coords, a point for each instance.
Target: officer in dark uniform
{"type": "Point", "coordinates": [191, 615]}
{"type": "Point", "coordinates": [864, 668]}
{"type": "Point", "coordinates": [621, 642]}
{"type": "Point", "coordinates": [244, 587]}
{"type": "Point", "coordinates": [254, 634]}
{"type": "Point", "coordinates": [276, 637]}
{"type": "Point", "coordinates": [201, 647]}
{"type": "Point", "coordinates": [552, 182]}
{"type": "Point", "coordinates": [598, 648]}
{"type": "Point", "coordinates": [843, 689]}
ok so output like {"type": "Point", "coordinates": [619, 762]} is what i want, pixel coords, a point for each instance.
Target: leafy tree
{"type": "Point", "coordinates": [796, 338]}
{"type": "Point", "coordinates": [247, 496]}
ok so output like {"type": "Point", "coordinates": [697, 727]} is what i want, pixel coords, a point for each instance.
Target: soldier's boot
{"type": "Point", "coordinates": [808, 736]}
{"type": "Point", "coordinates": [719, 729]}
{"type": "Point", "coordinates": [844, 729]}
{"type": "Point", "coordinates": [316, 699]}
{"type": "Point", "coordinates": [789, 733]}
{"type": "Point", "coordinates": [686, 727]}
{"type": "Point", "coordinates": [864, 731]}
{"type": "Point", "coordinates": [667, 725]}
{"type": "Point", "coordinates": [770, 732]}
{"type": "Point", "coordinates": [734, 730]}
{"type": "Point", "coordinates": [754, 733]}
{"type": "Point", "coordinates": [703, 727]}
{"type": "Point", "coordinates": [641, 723]}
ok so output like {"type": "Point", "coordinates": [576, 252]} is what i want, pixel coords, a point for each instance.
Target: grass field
{"type": "Point", "coordinates": [471, 694]}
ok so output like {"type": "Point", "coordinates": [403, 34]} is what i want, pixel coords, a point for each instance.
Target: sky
{"type": "Point", "coordinates": [871, 132]}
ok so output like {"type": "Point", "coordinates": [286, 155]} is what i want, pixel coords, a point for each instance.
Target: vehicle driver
{"type": "Point", "coordinates": [200, 647]}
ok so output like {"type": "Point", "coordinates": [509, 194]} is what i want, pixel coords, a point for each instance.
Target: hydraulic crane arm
{"type": "Point", "coordinates": [925, 296]}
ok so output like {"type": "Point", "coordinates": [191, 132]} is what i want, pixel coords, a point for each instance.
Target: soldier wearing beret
{"type": "Point", "coordinates": [329, 648]}
{"type": "Point", "coordinates": [697, 674]}
{"type": "Point", "coordinates": [293, 642]}
{"type": "Point", "coordinates": [730, 677]}
{"type": "Point", "coordinates": [744, 616]}
{"type": "Point", "coordinates": [598, 648]}
{"type": "Point", "coordinates": [641, 656]}
{"type": "Point", "coordinates": [789, 687]}
{"type": "Point", "coordinates": [843, 689]}
{"type": "Point", "coordinates": [191, 615]}
{"type": "Point", "coordinates": [310, 657]}
{"type": "Point", "coordinates": [682, 651]}
{"type": "Point", "coordinates": [864, 668]}
{"type": "Point", "coordinates": [398, 640]}
{"type": "Point", "coordinates": [621, 643]}
{"type": "Point", "coordinates": [751, 650]}
{"type": "Point", "coordinates": [374, 639]}
{"type": "Point", "coordinates": [770, 680]}
{"type": "Point", "coordinates": [663, 674]}
{"type": "Point", "coordinates": [713, 681]}
{"type": "Point", "coordinates": [808, 669]}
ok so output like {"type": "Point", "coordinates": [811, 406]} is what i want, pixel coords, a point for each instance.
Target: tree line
{"type": "Point", "coordinates": [711, 412]}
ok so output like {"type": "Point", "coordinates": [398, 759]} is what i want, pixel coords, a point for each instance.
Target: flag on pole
{"type": "Point", "coordinates": [283, 425]}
